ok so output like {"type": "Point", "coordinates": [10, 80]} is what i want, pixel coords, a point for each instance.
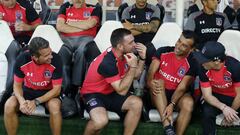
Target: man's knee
{"type": "Point", "coordinates": [187, 104]}
{"type": "Point", "coordinates": [135, 103]}
{"type": "Point", "coordinates": [54, 106]}
{"type": "Point", "coordinates": [11, 105]}
{"type": "Point", "coordinates": [100, 123]}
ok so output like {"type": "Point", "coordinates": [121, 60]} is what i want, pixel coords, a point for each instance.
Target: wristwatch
{"type": "Point", "coordinates": [37, 102]}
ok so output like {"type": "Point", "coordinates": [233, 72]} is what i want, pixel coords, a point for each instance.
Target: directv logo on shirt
{"type": "Point", "coordinates": [211, 30]}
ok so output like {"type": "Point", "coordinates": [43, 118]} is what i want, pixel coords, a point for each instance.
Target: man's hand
{"type": "Point", "coordinates": [230, 114]}
{"type": "Point", "coordinates": [31, 106]}
{"type": "Point", "coordinates": [225, 123]}
{"type": "Point", "coordinates": [141, 49]}
{"type": "Point", "coordinates": [128, 25]}
{"type": "Point", "coordinates": [21, 26]}
{"type": "Point", "coordinates": [24, 107]}
{"type": "Point", "coordinates": [131, 60]}
{"type": "Point", "coordinates": [168, 112]}
{"type": "Point", "coordinates": [157, 86]}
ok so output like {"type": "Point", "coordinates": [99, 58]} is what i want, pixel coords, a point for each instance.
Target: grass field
{"type": "Point", "coordinates": [76, 125]}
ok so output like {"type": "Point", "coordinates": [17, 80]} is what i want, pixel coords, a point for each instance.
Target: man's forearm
{"type": "Point", "coordinates": [177, 95]}
{"type": "Point", "coordinates": [126, 82]}
{"type": "Point", "coordinates": [214, 102]}
{"type": "Point", "coordinates": [49, 95]}
{"type": "Point", "coordinates": [146, 28]}
{"type": "Point", "coordinates": [84, 24]}
{"type": "Point", "coordinates": [140, 68]}
{"type": "Point", "coordinates": [236, 103]}
{"type": "Point", "coordinates": [142, 28]}
{"type": "Point", "coordinates": [67, 28]}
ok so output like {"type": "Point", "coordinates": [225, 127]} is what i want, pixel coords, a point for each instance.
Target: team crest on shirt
{"type": "Point", "coordinates": [227, 78]}
{"type": "Point", "coordinates": [86, 14]}
{"type": "Point", "coordinates": [181, 71]}
{"type": "Point", "coordinates": [47, 74]}
{"type": "Point", "coordinates": [219, 21]}
{"type": "Point", "coordinates": [148, 15]}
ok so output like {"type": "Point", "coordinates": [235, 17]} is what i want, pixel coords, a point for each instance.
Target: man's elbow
{"type": "Point", "coordinates": [91, 24]}
{"type": "Point", "coordinates": [57, 92]}
{"type": "Point", "coordinates": [59, 27]}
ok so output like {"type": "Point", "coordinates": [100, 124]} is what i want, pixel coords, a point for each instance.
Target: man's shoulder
{"type": "Point", "coordinates": [56, 57]}
{"type": "Point", "coordinates": [24, 3]}
{"type": "Point", "coordinates": [66, 5]}
{"type": "Point", "coordinates": [232, 62]}
{"type": "Point", "coordinates": [196, 14]}
{"type": "Point", "coordinates": [220, 14]}
{"type": "Point", "coordinates": [151, 6]}
{"type": "Point", "coordinates": [165, 49]}
{"type": "Point", "coordinates": [23, 58]}
{"type": "Point", "coordinates": [109, 58]}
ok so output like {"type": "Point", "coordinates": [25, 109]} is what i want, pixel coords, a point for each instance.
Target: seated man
{"type": "Point", "coordinates": [21, 18]}
{"type": "Point", "coordinates": [108, 81]}
{"type": "Point", "coordinates": [169, 77]}
{"type": "Point", "coordinates": [207, 24]}
{"type": "Point", "coordinates": [77, 24]}
{"type": "Point", "coordinates": [143, 20]}
{"type": "Point", "coordinates": [223, 6]}
{"type": "Point", "coordinates": [37, 80]}
{"type": "Point", "coordinates": [220, 85]}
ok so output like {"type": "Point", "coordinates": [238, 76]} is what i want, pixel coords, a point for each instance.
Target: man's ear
{"type": "Point", "coordinates": [120, 46]}
{"type": "Point", "coordinates": [35, 58]}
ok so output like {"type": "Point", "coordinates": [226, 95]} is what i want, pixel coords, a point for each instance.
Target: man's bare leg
{"type": "Point", "coordinates": [133, 106]}
{"type": "Point", "coordinates": [54, 106]}
{"type": "Point", "coordinates": [186, 107]}
{"type": "Point", "coordinates": [98, 120]}
{"type": "Point", "coordinates": [10, 115]}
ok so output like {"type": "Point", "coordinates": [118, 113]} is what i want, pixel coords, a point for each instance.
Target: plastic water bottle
{"type": "Point", "coordinates": [18, 20]}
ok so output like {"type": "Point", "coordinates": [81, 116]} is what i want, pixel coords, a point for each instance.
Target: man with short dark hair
{"type": "Point", "coordinates": [108, 81]}
{"type": "Point", "coordinates": [142, 19]}
{"type": "Point", "coordinates": [169, 77]}
{"type": "Point", "coordinates": [207, 24]}
{"type": "Point", "coordinates": [37, 80]}
{"type": "Point", "coordinates": [220, 85]}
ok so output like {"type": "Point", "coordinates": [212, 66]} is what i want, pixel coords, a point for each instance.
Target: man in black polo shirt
{"type": "Point", "coordinates": [37, 80]}
{"type": "Point", "coordinates": [142, 19]}
{"type": "Point", "coordinates": [220, 85]}
{"type": "Point", "coordinates": [207, 24]}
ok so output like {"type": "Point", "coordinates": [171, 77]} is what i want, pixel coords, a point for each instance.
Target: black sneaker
{"type": "Point", "coordinates": [169, 130]}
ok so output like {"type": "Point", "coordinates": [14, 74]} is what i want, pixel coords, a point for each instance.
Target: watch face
{"type": "Point", "coordinates": [37, 102]}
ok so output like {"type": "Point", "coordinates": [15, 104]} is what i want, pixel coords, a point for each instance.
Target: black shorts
{"type": "Point", "coordinates": [169, 94]}
{"type": "Point", "coordinates": [30, 94]}
{"type": "Point", "coordinates": [111, 102]}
